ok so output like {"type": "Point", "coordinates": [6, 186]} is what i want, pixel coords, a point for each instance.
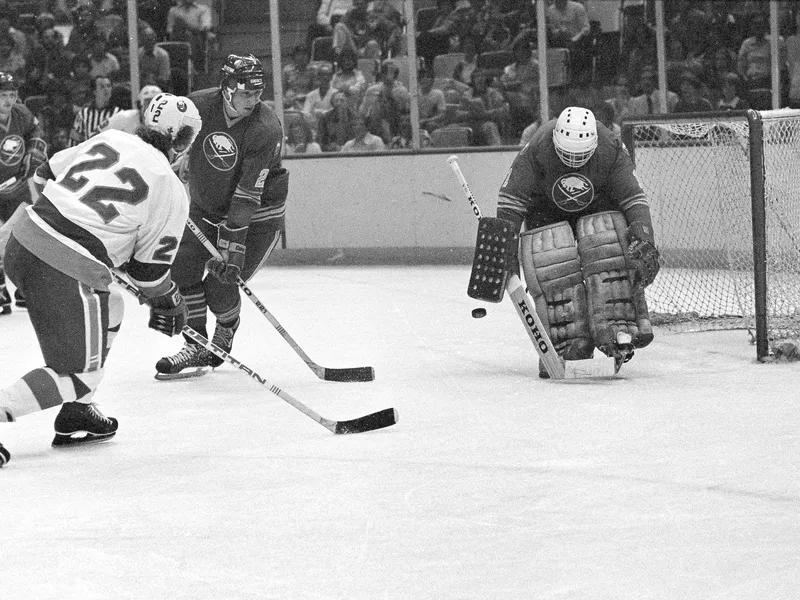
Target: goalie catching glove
{"type": "Point", "coordinates": [643, 254]}
{"type": "Point", "coordinates": [230, 244]}
{"type": "Point", "coordinates": [168, 312]}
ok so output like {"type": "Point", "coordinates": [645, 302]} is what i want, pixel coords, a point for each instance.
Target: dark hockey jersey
{"type": "Point", "coordinates": [17, 137]}
{"type": "Point", "coordinates": [538, 184]}
{"type": "Point", "coordinates": [229, 164]}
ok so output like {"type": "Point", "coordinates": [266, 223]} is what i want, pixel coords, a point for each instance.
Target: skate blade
{"type": "Point", "coordinates": [79, 438]}
{"type": "Point", "coordinates": [199, 372]}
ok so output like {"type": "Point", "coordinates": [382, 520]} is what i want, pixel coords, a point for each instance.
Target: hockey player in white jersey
{"type": "Point", "coordinates": [108, 203]}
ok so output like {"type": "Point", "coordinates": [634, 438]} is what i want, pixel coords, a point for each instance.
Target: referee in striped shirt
{"type": "Point", "coordinates": [93, 117]}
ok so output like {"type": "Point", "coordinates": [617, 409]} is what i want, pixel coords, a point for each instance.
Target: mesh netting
{"type": "Point", "coordinates": [697, 177]}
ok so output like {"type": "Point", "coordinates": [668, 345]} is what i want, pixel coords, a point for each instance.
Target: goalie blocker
{"type": "Point", "coordinates": [584, 292]}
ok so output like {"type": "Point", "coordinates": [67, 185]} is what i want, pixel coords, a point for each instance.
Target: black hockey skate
{"type": "Point", "coordinates": [223, 338]}
{"type": "Point", "coordinates": [192, 356]}
{"type": "Point", "coordinates": [19, 300]}
{"type": "Point", "coordinates": [5, 299]}
{"type": "Point", "coordinates": [79, 423]}
{"type": "Point", "coordinates": [5, 456]}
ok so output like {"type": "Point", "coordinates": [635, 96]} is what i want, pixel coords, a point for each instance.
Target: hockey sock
{"type": "Point", "coordinates": [43, 388]}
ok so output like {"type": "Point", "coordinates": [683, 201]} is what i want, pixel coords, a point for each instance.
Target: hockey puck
{"type": "Point", "coordinates": [478, 313]}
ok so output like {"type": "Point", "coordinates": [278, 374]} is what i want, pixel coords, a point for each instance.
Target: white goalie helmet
{"type": "Point", "coordinates": [174, 116]}
{"type": "Point", "coordinates": [575, 136]}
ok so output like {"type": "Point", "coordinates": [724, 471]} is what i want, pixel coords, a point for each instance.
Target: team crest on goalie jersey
{"type": "Point", "coordinates": [573, 192]}
{"type": "Point", "coordinates": [12, 149]}
{"type": "Point", "coordinates": [220, 150]}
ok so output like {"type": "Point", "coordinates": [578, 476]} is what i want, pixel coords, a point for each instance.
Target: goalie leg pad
{"type": "Point", "coordinates": [614, 304]}
{"type": "Point", "coordinates": [495, 249]}
{"type": "Point", "coordinates": [552, 270]}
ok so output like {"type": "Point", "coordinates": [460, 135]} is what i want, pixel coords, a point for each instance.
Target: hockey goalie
{"type": "Point", "coordinates": [587, 247]}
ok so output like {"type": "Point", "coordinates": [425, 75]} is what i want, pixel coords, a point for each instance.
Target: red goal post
{"type": "Point", "coordinates": [724, 190]}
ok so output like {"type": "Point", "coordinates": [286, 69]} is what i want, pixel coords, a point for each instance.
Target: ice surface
{"type": "Point", "coordinates": [679, 480]}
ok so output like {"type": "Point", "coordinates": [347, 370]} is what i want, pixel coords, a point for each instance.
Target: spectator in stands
{"type": "Point", "coordinates": [129, 120]}
{"type": "Point", "coordinates": [490, 28]}
{"type": "Point", "coordinates": [363, 140]}
{"type": "Point", "coordinates": [604, 113]}
{"type": "Point", "coordinates": [348, 78]}
{"type": "Point", "coordinates": [84, 29]}
{"type": "Point", "coordinates": [58, 112]}
{"type": "Point", "coordinates": [318, 100]}
{"type": "Point", "coordinates": [431, 102]}
{"type": "Point", "coordinates": [485, 110]}
{"type": "Point", "coordinates": [520, 84]}
{"type": "Point", "coordinates": [92, 118]}
{"type": "Point", "coordinates": [299, 139]}
{"type": "Point", "coordinates": [103, 63]}
{"type": "Point", "coordinates": [455, 19]}
{"type": "Point", "coordinates": [639, 53]}
{"type": "Point", "coordinates": [11, 61]}
{"type": "Point", "coordinates": [352, 29]}
{"type": "Point", "coordinates": [621, 102]}
{"type": "Point", "coordinates": [337, 125]}
{"type": "Point", "coordinates": [190, 21]}
{"type": "Point", "coordinates": [692, 27]}
{"type": "Point", "coordinates": [464, 69]}
{"type": "Point", "coordinates": [690, 100]}
{"type": "Point", "coordinates": [730, 88]}
{"type": "Point", "coordinates": [154, 12]}
{"type": "Point", "coordinates": [54, 61]}
{"type": "Point", "coordinates": [649, 101]}
{"type": "Point", "coordinates": [298, 78]}
{"type": "Point", "coordinates": [754, 60]}
{"type": "Point", "coordinates": [155, 67]}
{"type": "Point", "coordinates": [387, 102]}
{"type": "Point", "coordinates": [568, 27]}
{"type": "Point", "coordinates": [385, 26]}
{"type": "Point", "coordinates": [8, 18]}
{"type": "Point", "coordinates": [329, 13]}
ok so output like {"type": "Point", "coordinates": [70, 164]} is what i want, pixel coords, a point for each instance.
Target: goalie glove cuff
{"type": "Point", "coordinates": [643, 253]}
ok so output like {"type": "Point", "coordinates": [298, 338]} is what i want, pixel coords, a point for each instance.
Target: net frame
{"type": "Point", "coordinates": [724, 190]}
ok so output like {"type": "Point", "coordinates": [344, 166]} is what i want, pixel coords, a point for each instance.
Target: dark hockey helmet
{"type": "Point", "coordinates": [8, 82]}
{"type": "Point", "coordinates": [243, 73]}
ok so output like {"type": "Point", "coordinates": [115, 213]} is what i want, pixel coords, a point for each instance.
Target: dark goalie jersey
{"type": "Point", "coordinates": [543, 189]}
{"type": "Point", "coordinates": [229, 163]}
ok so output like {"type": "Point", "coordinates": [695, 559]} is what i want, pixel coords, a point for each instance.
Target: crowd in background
{"type": "Point", "coordinates": [718, 58]}
{"type": "Point", "coordinates": [70, 58]}
{"type": "Point", "coordinates": [346, 87]}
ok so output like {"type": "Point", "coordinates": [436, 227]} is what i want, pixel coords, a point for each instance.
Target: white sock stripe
{"type": "Point", "coordinates": [92, 318]}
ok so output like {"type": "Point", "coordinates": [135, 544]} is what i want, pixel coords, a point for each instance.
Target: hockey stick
{"type": "Point", "coordinates": [556, 367]}
{"type": "Point", "coordinates": [326, 373]}
{"type": "Point", "coordinates": [378, 420]}
{"type": "Point", "coordinates": [8, 182]}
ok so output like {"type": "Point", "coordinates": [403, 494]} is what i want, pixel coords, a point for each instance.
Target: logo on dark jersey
{"type": "Point", "coordinates": [220, 150]}
{"type": "Point", "coordinates": [573, 192]}
{"type": "Point", "coordinates": [12, 149]}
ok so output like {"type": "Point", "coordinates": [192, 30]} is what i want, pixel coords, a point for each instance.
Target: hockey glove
{"type": "Point", "coordinates": [230, 244]}
{"type": "Point", "coordinates": [643, 254]}
{"type": "Point", "coordinates": [168, 313]}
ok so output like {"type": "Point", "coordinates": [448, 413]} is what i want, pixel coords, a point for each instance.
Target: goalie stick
{"type": "Point", "coordinates": [556, 367]}
{"type": "Point", "coordinates": [377, 420]}
{"type": "Point", "coordinates": [326, 373]}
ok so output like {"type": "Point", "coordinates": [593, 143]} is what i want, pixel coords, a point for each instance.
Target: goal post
{"type": "Point", "coordinates": [724, 191]}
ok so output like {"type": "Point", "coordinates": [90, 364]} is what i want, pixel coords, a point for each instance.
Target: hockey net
{"type": "Point", "coordinates": [696, 171]}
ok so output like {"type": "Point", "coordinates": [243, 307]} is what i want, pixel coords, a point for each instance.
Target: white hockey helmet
{"type": "Point", "coordinates": [575, 136]}
{"type": "Point", "coordinates": [174, 116]}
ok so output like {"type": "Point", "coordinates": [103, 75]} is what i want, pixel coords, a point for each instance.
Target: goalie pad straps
{"type": "Point", "coordinates": [495, 250]}
{"type": "Point", "coordinates": [614, 305]}
{"type": "Point", "coordinates": [552, 270]}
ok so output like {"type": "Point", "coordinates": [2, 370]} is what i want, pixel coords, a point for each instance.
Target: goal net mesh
{"type": "Point", "coordinates": [696, 173]}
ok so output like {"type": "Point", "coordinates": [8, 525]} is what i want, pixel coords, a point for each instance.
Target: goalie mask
{"type": "Point", "coordinates": [174, 116]}
{"type": "Point", "coordinates": [575, 136]}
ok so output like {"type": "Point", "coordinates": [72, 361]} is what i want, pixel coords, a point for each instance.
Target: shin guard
{"type": "Point", "coordinates": [552, 270]}
{"type": "Point", "coordinates": [614, 305]}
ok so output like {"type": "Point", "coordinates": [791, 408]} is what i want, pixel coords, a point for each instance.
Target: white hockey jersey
{"type": "Point", "coordinates": [113, 200]}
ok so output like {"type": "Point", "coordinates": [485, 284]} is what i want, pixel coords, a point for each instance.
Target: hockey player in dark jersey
{"type": "Point", "coordinates": [588, 249]}
{"type": "Point", "coordinates": [22, 149]}
{"type": "Point", "coordinates": [237, 190]}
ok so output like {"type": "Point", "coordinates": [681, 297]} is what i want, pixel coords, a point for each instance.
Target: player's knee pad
{"type": "Point", "coordinates": [552, 270]}
{"type": "Point", "coordinates": [614, 305]}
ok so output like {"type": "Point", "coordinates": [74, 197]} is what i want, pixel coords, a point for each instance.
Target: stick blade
{"type": "Point", "coordinates": [590, 368]}
{"type": "Point", "coordinates": [349, 374]}
{"type": "Point", "coordinates": [383, 418]}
